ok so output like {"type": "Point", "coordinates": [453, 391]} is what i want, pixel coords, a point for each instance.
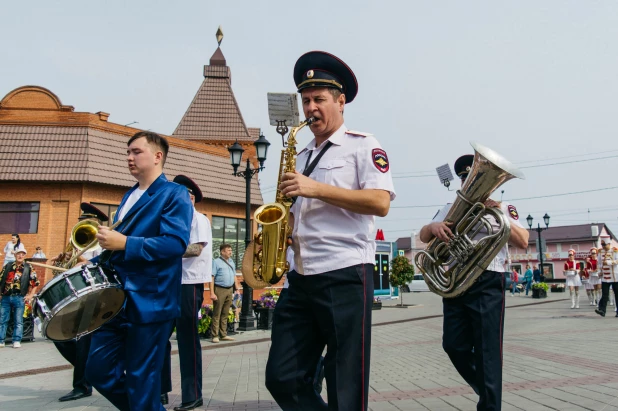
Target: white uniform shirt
{"type": "Point", "coordinates": [327, 237]}
{"type": "Point", "coordinates": [501, 260]}
{"type": "Point", "coordinates": [133, 198]}
{"type": "Point", "coordinates": [608, 266]}
{"type": "Point", "coordinates": [197, 270]}
{"type": "Point", "coordinates": [93, 252]}
{"type": "Point", "coordinates": [290, 259]}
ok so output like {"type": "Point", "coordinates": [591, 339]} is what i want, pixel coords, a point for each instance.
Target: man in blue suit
{"type": "Point", "coordinates": [126, 354]}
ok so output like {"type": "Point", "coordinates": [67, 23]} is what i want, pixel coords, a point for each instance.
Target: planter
{"type": "Point", "coordinates": [557, 290]}
{"type": "Point", "coordinates": [264, 318]}
{"type": "Point", "coordinates": [539, 293]}
{"type": "Point", "coordinates": [28, 334]}
{"type": "Point", "coordinates": [376, 306]}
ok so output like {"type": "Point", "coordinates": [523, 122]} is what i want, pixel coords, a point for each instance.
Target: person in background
{"type": "Point", "coordinates": [514, 282]}
{"type": "Point", "coordinates": [528, 276]}
{"type": "Point", "coordinates": [221, 291]}
{"type": "Point", "coordinates": [572, 278]}
{"type": "Point", "coordinates": [536, 274]}
{"type": "Point", "coordinates": [9, 249]}
{"type": "Point", "coordinates": [18, 284]}
{"type": "Point", "coordinates": [39, 253]}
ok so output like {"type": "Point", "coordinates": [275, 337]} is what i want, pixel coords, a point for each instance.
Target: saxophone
{"type": "Point", "coordinates": [264, 262]}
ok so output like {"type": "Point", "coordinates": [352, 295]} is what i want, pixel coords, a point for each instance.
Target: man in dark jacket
{"type": "Point", "coordinates": [536, 274]}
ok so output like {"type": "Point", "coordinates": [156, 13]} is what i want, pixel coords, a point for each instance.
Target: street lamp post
{"type": "Point", "coordinates": [247, 319]}
{"type": "Point", "coordinates": [539, 229]}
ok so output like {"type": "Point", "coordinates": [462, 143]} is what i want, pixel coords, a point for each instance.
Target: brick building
{"type": "Point", "coordinates": [53, 157]}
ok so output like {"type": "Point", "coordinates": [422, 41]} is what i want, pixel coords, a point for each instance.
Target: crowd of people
{"type": "Point", "coordinates": [596, 274]}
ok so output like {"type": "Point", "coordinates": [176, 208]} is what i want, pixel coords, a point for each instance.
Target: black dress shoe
{"type": "Point", "coordinates": [74, 395]}
{"type": "Point", "coordinates": [186, 406]}
{"type": "Point", "coordinates": [165, 399]}
{"type": "Point", "coordinates": [600, 312]}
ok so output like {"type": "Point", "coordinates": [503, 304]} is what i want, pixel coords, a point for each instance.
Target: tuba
{"type": "Point", "coordinates": [451, 268]}
{"type": "Point", "coordinates": [264, 262]}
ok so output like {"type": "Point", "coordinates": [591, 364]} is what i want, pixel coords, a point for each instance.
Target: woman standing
{"type": "Point", "coordinates": [595, 279]}
{"type": "Point", "coordinates": [9, 249]}
{"type": "Point", "coordinates": [572, 278]}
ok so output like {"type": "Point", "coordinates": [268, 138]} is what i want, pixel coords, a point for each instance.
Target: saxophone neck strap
{"type": "Point", "coordinates": [310, 167]}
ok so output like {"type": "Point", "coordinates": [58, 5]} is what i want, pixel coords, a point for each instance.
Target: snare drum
{"type": "Point", "coordinates": [593, 273]}
{"type": "Point", "coordinates": [570, 273]}
{"type": "Point", "coordinates": [78, 302]}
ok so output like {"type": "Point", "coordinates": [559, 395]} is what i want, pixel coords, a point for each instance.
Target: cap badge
{"type": "Point", "coordinates": [310, 74]}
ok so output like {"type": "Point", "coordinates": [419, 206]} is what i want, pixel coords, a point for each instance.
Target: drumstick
{"type": "Point", "coordinates": [76, 256]}
{"type": "Point", "coordinates": [53, 267]}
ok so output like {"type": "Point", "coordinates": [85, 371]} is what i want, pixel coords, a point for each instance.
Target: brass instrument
{"type": "Point", "coordinates": [451, 268]}
{"type": "Point", "coordinates": [83, 237]}
{"type": "Point", "coordinates": [264, 262]}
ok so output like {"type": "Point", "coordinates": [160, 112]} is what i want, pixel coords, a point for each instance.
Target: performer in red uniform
{"type": "Point", "coordinates": [572, 278]}
{"type": "Point", "coordinates": [593, 287]}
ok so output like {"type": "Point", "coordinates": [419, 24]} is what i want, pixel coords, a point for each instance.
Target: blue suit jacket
{"type": "Point", "coordinates": [150, 268]}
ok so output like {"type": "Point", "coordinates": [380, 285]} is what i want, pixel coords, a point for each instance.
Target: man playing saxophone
{"type": "Point", "coordinates": [341, 182]}
{"type": "Point", "coordinates": [474, 320]}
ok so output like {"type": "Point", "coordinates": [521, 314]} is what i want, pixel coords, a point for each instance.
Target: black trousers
{"type": "Point", "coordinates": [473, 332]}
{"type": "Point", "coordinates": [605, 294]}
{"type": "Point", "coordinates": [76, 353]}
{"type": "Point", "coordinates": [332, 310]}
{"type": "Point", "coordinates": [189, 347]}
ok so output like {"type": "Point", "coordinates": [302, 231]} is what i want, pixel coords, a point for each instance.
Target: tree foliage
{"type": "Point", "coordinates": [402, 272]}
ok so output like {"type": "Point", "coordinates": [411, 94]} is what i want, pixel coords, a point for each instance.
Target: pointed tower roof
{"type": "Point", "coordinates": [213, 115]}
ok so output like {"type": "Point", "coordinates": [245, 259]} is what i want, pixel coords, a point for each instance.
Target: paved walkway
{"type": "Point", "coordinates": [555, 358]}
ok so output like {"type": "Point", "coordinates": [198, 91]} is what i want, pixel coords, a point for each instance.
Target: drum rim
{"type": "Point", "coordinates": [68, 300]}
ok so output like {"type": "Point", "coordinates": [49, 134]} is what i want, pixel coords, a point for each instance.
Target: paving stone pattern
{"type": "Point", "coordinates": [555, 358]}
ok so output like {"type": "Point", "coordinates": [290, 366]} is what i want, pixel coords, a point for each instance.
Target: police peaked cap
{"type": "Point", "coordinates": [90, 211]}
{"type": "Point", "coordinates": [190, 184]}
{"type": "Point", "coordinates": [463, 165]}
{"type": "Point", "coordinates": [321, 69]}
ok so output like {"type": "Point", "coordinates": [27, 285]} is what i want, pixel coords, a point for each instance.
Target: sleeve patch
{"type": "Point", "coordinates": [513, 212]}
{"type": "Point", "coordinates": [380, 160]}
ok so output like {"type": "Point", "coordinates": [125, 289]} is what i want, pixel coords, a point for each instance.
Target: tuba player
{"type": "Point", "coordinates": [341, 182]}
{"type": "Point", "coordinates": [474, 321]}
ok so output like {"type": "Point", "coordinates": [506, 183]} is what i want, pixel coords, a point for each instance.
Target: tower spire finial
{"type": "Point", "coordinates": [219, 36]}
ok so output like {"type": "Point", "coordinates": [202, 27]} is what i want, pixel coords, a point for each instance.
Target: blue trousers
{"type": "Point", "coordinates": [15, 302]}
{"type": "Point", "coordinates": [125, 363]}
{"type": "Point", "coordinates": [473, 331]}
{"type": "Point", "coordinates": [332, 310]}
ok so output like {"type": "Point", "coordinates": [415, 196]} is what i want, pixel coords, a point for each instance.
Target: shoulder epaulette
{"type": "Point", "coordinates": [358, 133]}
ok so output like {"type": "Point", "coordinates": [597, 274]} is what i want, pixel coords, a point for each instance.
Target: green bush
{"type": "Point", "coordinates": [540, 286]}
{"type": "Point", "coordinates": [402, 272]}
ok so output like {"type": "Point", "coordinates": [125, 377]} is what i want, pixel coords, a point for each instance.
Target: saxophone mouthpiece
{"type": "Point", "coordinates": [310, 120]}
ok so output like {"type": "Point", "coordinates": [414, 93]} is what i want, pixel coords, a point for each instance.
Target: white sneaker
{"type": "Point", "coordinates": [16, 344]}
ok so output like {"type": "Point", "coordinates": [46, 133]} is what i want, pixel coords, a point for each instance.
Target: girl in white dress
{"type": "Point", "coordinates": [572, 278]}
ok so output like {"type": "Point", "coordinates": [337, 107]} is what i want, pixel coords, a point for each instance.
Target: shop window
{"type": "Point", "coordinates": [231, 231]}
{"type": "Point", "coordinates": [19, 218]}
{"type": "Point", "coordinates": [108, 209]}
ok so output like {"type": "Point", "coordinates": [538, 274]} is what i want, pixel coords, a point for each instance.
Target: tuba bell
{"type": "Point", "coordinates": [451, 268]}
{"type": "Point", "coordinates": [264, 262]}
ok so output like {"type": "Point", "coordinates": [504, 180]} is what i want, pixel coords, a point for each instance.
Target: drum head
{"type": "Point", "coordinates": [103, 303]}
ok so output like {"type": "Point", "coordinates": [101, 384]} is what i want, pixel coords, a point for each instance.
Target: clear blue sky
{"type": "Point", "coordinates": [533, 80]}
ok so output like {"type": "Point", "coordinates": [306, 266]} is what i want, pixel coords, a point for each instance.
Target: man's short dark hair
{"type": "Point", "coordinates": [152, 138]}
{"type": "Point", "coordinates": [224, 246]}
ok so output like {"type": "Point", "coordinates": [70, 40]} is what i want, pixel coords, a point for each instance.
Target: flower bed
{"type": "Point", "coordinates": [539, 290]}
{"type": "Point", "coordinates": [557, 288]}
